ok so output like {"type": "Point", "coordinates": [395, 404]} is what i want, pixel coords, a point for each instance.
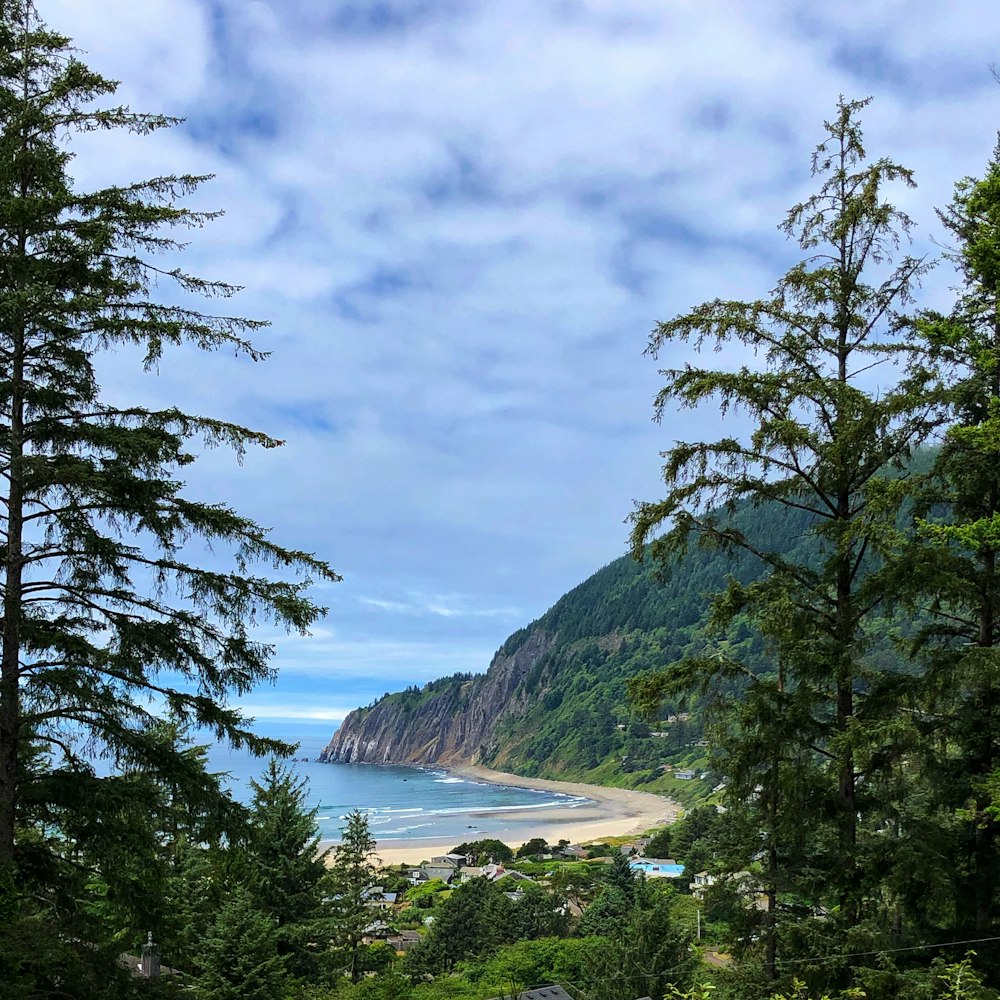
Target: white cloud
{"type": "Point", "coordinates": [286, 710]}
{"type": "Point", "coordinates": [462, 231]}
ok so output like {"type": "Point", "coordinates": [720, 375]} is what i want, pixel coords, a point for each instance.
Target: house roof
{"type": "Point", "coordinates": [543, 993]}
{"type": "Point", "coordinates": [516, 876]}
{"type": "Point", "coordinates": [412, 937]}
{"type": "Point", "coordinates": [443, 872]}
{"type": "Point", "coordinates": [548, 993]}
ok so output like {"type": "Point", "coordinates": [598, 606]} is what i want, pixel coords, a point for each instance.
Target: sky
{"type": "Point", "coordinates": [462, 220]}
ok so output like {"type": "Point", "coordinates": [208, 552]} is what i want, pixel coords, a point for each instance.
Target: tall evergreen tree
{"type": "Point", "coordinates": [644, 953]}
{"type": "Point", "coordinates": [953, 564]}
{"type": "Point", "coordinates": [822, 438]}
{"type": "Point", "coordinates": [103, 607]}
{"type": "Point", "coordinates": [239, 959]}
{"type": "Point", "coordinates": [283, 868]}
{"type": "Point", "coordinates": [353, 873]}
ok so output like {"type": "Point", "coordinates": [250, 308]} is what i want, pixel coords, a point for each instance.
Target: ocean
{"type": "Point", "coordinates": [402, 803]}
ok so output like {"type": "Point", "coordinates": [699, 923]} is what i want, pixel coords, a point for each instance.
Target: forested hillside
{"type": "Point", "coordinates": [554, 702]}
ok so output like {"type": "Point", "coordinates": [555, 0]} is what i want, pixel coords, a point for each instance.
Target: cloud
{"type": "Point", "coordinates": [284, 710]}
{"type": "Point", "coordinates": [444, 606]}
{"type": "Point", "coordinates": [462, 221]}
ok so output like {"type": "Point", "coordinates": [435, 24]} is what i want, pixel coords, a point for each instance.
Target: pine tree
{"type": "Point", "coordinates": [463, 928]}
{"type": "Point", "coordinates": [643, 953]}
{"type": "Point", "coordinates": [239, 957]}
{"type": "Point", "coordinates": [353, 873]}
{"type": "Point", "coordinates": [823, 441]}
{"type": "Point", "coordinates": [621, 876]}
{"type": "Point", "coordinates": [283, 868]}
{"type": "Point", "coordinates": [953, 569]}
{"type": "Point", "coordinates": [103, 607]}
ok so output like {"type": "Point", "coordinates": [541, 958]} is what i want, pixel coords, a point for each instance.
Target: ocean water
{"type": "Point", "coordinates": [402, 803]}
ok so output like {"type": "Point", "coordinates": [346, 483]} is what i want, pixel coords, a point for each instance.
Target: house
{"type": "Point", "coordinates": [573, 851]}
{"type": "Point", "coordinates": [404, 940]}
{"type": "Point", "coordinates": [657, 867]}
{"type": "Point", "coordinates": [147, 965]}
{"type": "Point", "coordinates": [453, 860]}
{"type": "Point", "coordinates": [469, 872]}
{"type": "Point", "coordinates": [546, 993]}
{"type": "Point", "coordinates": [512, 876]}
{"type": "Point", "coordinates": [378, 930]}
{"type": "Point", "coordinates": [685, 775]}
{"type": "Point", "coordinates": [423, 874]}
{"type": "Point", "coordinates": [446, 873]}
{"type": "Point", "coordinates": [702, 881]}
{"type": "Point", "coordinates": [543, 993]}
{"type": "Point", "coordinates": [377, 898]}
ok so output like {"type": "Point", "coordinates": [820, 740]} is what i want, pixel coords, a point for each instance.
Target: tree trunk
{"type": "Point", "coordinates": [984, 855]}
{"type": "Point", "coordinates": [11, 649]}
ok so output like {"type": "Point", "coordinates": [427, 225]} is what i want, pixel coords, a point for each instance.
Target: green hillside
{"type": "Point", "coordinates": [627, 619]}
{"type": "Point", "coordinates": [622, 621]}
{"type": "Point", "coordinates": [568, 717]}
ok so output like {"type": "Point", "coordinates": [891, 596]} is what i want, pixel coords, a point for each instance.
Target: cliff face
{"type": "Point", "coordinates": [554, 702]}
{"type": "Point", "coordinates": [453, 723]}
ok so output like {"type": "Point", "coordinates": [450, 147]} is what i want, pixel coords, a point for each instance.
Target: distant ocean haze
{"type": "Point", "coordinates": [402, 803]}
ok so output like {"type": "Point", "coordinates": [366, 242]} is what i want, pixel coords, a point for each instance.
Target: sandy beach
{"type": "Point", "coordinates": [611, 812]}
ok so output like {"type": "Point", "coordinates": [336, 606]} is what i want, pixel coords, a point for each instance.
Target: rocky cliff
{"type": "Point", "coordinates": [554, 702]}
{"type": "Point", "coordinates": [450, 721]}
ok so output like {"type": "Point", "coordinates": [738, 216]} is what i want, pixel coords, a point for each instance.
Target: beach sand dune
{"type": "Point", "coordinates": [611, 812]}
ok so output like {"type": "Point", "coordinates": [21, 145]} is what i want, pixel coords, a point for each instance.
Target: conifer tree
{"type": "Point", "coordinates": [239, 957]}
{"type": "Point", "coordinates": [107, 619]}
{"type": "Point", "coordinates": [823, 436]}
{"type": "Point", "coordinates": [952, 566]}
{"type": "Point", "coordinates": [353, 873]}
{"type": "Point", "coordinates": [283, 868]}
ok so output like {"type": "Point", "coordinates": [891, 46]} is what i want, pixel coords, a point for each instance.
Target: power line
{"type": "Point", "coordinates": [819, 959]}
{"type": "Point", "coordinates": [891, 951]}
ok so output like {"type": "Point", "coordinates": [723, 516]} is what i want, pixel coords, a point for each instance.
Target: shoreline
{"type": "Point", "coordinates": [608, 812]}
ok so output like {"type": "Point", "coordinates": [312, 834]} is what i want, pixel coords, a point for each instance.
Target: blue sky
{"type": "Point", "coordinates": [462, 220]}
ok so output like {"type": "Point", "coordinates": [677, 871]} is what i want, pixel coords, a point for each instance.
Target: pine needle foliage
{"type": "Point", "coordinates": [108, 619]}
{"type": "Point", "coordinates": [953, 573]}
{"type": "Point", "coordinates": [353, 875]}
{"type": "Point", "coordinates": [284, 868]}
{"type": "Point", "coordinates": [830, 415]}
